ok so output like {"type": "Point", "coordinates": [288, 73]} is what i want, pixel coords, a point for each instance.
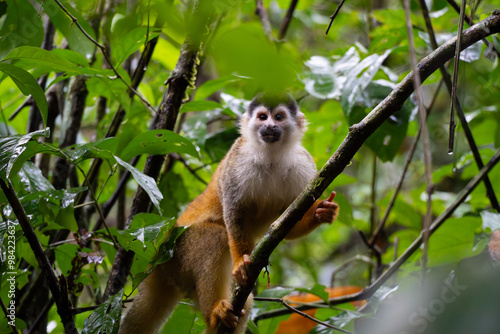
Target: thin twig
{"type": "Point", "coordinates": [106, 56]}
{"type": "Point", "coordinates": [97, 206]}
{"type": "Point", "coordinates": [455, 79]}
{"type": "Point", "coordinates": [399, 183]}
{"type": "Point", "coordinates": [334, 15]}
{"type": "Point", "coordinates": [425, 134]}
{"type": "Point", "coordinates": [361, 258]}
{"type": "Point", "coordinates": [261, 11]}
{"type": "Point", "coordinates": [470, 22]}
{"type": "Point", "coordinates": [305, 315]}
{"type": "Point", "coordinates": [27, 102]}
{"type": "Point", "coordinates": [461, 115]}
{"type": "Point", "coordinates": [287, 19]}
{"type": "Point", "coordinates": [190, 169]}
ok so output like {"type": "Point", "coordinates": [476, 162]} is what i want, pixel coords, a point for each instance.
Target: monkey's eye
{"type": "Point", "coordinates": [262, 117]}
{"type": "Point", "coordinates": [279, 117]}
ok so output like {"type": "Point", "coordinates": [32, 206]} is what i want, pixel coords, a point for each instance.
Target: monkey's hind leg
{"type": "Point", "coordinates": [212, 268]}
{"type": "Point", "coordinates": [154, 303]}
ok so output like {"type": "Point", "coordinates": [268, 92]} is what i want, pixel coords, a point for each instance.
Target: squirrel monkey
{"type": "Point", "coordinates": [263, 172]}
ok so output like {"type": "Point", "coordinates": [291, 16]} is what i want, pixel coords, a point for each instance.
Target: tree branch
{"type": "Point", "coordinates": [287, 19]}
{"type": "Point", "coordinates": [357, 135]}
{"type": "Point", "coordinates": [369, 291]}
{"type": "Point", "coordinates": [261, 11]}
{"type": "Point", "coordinates": [305, 315]}
{"type": "Point", "coordinates": [56, 288]}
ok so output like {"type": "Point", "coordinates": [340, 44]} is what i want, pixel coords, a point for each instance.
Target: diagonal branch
{"type": "Point", "coordinates": [287, 19]}
{"type": "Point", "coordinates": [56, 288]}
{"type": "Point", "coordinates": [370, 290]}
{"type": "Point", "coordinates": [357, 135]}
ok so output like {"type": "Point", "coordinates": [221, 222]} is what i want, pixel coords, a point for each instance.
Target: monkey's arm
{"type": "Point", "coordinates": [322, 211]}
{"type": "Point", "coordinates": [240, 245]}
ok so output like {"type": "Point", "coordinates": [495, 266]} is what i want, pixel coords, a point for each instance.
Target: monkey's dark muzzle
{"type": "Point", "coordinates": [270, 134]}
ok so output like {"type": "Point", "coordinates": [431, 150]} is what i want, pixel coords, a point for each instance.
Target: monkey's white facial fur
{"type": "Point", "coordinates": [265, 126]}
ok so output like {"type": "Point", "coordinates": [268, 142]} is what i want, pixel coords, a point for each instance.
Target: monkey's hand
{"type": "Point", "coordinates": [223, 311]}
{"type": "Point", "coordinates": [326, 211]}
{"type": "Point", "coordinates": [240, 270]}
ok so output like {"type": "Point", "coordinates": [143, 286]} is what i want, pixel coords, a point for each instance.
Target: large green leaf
{"type": "Point", "coordinates": [184, 319]}
{"type": "Point", "coordinates": [158, 142]}
{"type": "Point", "coordinates": [105, 318]}
{"type": "Point", "coordinates": [21, 26]}
{"type": "Point", "coordinates": [39, 57]}
{"type": "Point", "coordinates": [15, 146]}
{"type": "Point", "coordinates": [129, 42]}
{"type": "Point", "coordinates": [200, 105]}
{"type": "Point", "coordinates": [387, 139]}
{"type": "Point", "coordinates": [453, 241]}
{"type": "Point", "coordinates": [211, 86]}
{"type": "Point", "coordinates": [164, 254]}
{"type": "Point", "coordinates": [76, 39]}
{"type": "Point", "coordinates": [98, 149]}
{"type": "Point", "coordinates": [27, 85]}
{"type": "Point", "coordinates": [146, 230]}
{"type": "Point", "coordinates": [146, 182]}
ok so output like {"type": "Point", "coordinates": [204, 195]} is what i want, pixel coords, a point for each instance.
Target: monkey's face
{"type": "Point", "coordinates": [270, 126]}
{"type": "Point", "coordinates": [271, 119]}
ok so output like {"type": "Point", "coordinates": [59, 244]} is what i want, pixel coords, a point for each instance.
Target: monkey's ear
{"type": "Point", "coordinates": [301, 121]}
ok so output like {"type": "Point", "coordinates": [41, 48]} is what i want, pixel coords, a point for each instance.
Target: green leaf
{"type": "Point", "coordinates": [76, 39]}
{"type": "Point", "coordinates": [100, 149]}
{"type": "Point", "coordinates": [219, 143]}
{"type": "Point", "coordinates": [21, 26]}
{"type": "Point", "coordinates": [317, 290]}
{"type": "Point", "coordinates": [105, 318]}
{"type": "Point", "coordinates": [146, 182]}
{"type": "Point", "coordinates": [387, 139]}
{"type": "Point", "coordinates": [32, 179]}
{"type": "Point", "coordinates": [113, 89]}
{"type": "Point", "coordinates": [184, 319]}
{"type": "Point", "coordinates": [146, 228]}
{"type": "Point", "coordinates": [13, 147]}
{"type": "Point", "coordinates": [40, 57]}
{"type": "Point", "coordinates": [256, 57]}
{"type": "Point", "coordinates": [164, 254]}
{"type": "Point", "coordinates": [453, 241]}
{"type": "Point", "coordinates": [65, 254]}
{"type": "Point", "coordinates": [27, 85]}
{"type": "Point", "coordinates": [128, 43]}
{"type": "Point", "coordinates": [200, 105]}
{"type": "Point", "coordinates": [211, 86]}
{"type": "Point", "coordinates": [71, 56]}
{"type": "Point", "coordinates": [158, 142]}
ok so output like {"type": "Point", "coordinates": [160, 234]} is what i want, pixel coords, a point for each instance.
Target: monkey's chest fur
{"type": "Point", "coordinates": [267, 183]}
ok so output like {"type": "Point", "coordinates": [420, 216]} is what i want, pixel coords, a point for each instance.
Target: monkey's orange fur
{"type": "Point", "coordinates": [263, 172]}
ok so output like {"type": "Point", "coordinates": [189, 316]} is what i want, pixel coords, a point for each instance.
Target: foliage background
{"type": "Point", "coordinates": [337, 79]}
